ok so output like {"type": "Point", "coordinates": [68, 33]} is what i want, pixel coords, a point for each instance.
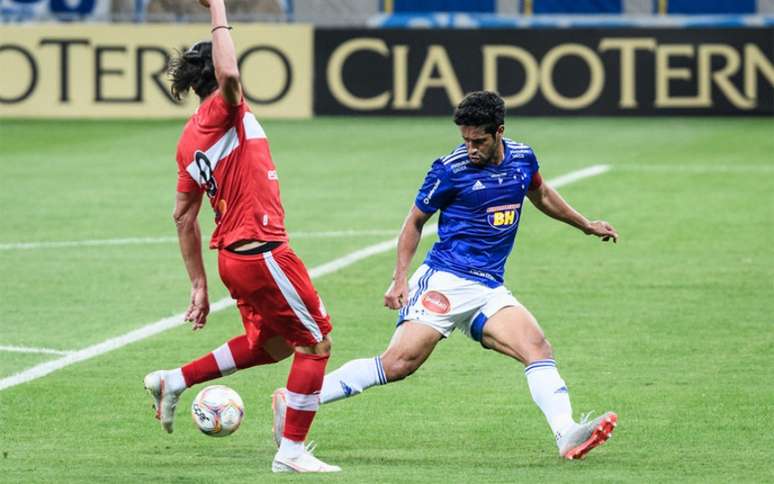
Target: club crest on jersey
{"type": "Point", "coordinates": [206, 177]}
{"type": "Point", "coordinates": [503, 216]}
{"type": "Point", "coordinates": [436, 302]}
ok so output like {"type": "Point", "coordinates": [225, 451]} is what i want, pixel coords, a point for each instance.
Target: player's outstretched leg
{"type": "Point", "coordinates": [352, 378]}
{"type": "Point", "coordinates": [166, 386]}
{"type": "Point", "coordinates": [411, 345]}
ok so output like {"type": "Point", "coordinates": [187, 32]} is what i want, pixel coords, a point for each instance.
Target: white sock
{"type": "Point", "coordinates": [224, 359]}
{"type": "Point", "coordinates": [290, 448]}
{"type": "Point", "coordinates": [352, 378]}
{"type": "Point", "coordinates": [550, 394]}
{"type": "Point", "coordinates": [174, 380]}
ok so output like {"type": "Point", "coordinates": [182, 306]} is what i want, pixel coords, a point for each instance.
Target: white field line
{"type": "Point", "coordinates": [24, 349]}
{"type": "Point", "coordinates": [698, 168]}
{"type": "Point", "coordinates": [574, 176]}
{"type": "Point", "coordinates": [162, 325]}
{"type": "Point", "coordinates": [167, 240]}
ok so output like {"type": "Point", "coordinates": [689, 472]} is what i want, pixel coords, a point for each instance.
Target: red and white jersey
{"type": "Point", "coordinates": [224, 152]}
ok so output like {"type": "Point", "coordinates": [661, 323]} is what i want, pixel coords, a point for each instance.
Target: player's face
{"type": "Point", "coordinates": [483, 148]}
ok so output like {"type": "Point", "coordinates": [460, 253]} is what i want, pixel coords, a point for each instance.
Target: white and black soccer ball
{"type": "Point", "coordinates": [217, 411]}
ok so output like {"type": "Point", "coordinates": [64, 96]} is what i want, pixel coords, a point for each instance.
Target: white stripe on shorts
{"type": "Point", "coordinates": [299, 401]}
{"type": "Point", "coordinates": [225, 360]}
{"type": "Point", "coordinates": [292, 297]}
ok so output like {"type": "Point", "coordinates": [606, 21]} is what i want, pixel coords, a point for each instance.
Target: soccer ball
{"type": "Point", "coordinates": [217, 410]}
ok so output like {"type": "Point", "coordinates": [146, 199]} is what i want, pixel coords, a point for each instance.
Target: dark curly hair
{"type": "Point", "coordinates": [193, 69]}
{"type": "Point", "coordinates": [484, 109]}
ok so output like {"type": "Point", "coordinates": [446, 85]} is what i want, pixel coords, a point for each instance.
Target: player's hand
{"type": "Point", "coordinates": [603, 230]}
{"type": "Point", "coordinates": [397, 294]}
{"type": "Point", "coordinates": [199, 308]}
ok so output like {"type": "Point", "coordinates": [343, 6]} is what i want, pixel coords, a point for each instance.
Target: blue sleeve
{"type": "Point", "coordinates": [437, 191]}
{"type": "Point", "coordinates": [533, 162]}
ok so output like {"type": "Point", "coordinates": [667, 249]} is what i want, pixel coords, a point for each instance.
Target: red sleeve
{"type": "Point", "coordinates": [185, 182]}
{"type": "Point", "coordinates": [537, 181]}
{"type": "Point", "coordinates": [216, 111]}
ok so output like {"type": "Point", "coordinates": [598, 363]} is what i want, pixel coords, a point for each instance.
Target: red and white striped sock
{"type": "Point", "coordinates": [303, 394]}
{"type": "Point", "coordinates": [234, 355]}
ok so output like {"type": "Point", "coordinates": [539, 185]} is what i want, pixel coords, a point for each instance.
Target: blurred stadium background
{"type": "Point", "coordinates": [668, 102]}
{"type": "Point", "coordinates": [351, 13]}
{"type": "Point", "coordinates": [102, 58]}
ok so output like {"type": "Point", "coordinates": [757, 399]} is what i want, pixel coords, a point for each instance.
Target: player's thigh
{"type": "Point", "coordinates": [289, 304]}
{"type": "Point", "coordinates": [514, 331]}
{"type": "Point", "coordinates": [260, 336]}
{"type": "Point", "coordinates": [411, 345]}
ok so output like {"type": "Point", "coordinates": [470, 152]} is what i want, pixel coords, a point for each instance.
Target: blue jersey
{"type": "Point", "coordinates": [480, 211]}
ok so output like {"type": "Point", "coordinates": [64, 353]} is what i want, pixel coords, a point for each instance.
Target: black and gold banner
{"type": "Point", "coordinates": [117, 71]}
{"type": "Point", "coordinates": [547, 71]}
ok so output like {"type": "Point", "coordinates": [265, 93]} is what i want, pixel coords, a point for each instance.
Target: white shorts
{"type": "Point", "coordinates": [444, 301]}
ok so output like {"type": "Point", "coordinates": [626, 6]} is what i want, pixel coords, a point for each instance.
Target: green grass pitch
{"type": "Point", "coordinates": [672, 328]}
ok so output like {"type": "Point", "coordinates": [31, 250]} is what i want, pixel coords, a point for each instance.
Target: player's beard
{"type": "Point", "coordinates": [489, 160]}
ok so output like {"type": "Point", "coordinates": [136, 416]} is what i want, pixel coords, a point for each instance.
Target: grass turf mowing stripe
{"type": "Point", "coordinates": [162, 325]}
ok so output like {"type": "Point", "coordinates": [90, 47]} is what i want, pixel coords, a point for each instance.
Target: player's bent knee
{"type": "Point", "coordinates": [321, 348]}
{"type": "Point", "coordinates": [398, 368]}
{"type": "Point", "coordinates": [278, 348]}
{"type": "Point", "coordinates": [324, 346]}
{"type": "Point", "coordinates": [540, 349]}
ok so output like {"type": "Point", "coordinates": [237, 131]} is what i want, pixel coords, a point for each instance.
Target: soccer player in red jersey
{"type": "Point", "coordinates": [223, 153]}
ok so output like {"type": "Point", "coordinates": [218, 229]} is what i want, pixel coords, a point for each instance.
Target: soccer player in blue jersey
{"type": "Point", "coordinates": [479, 189]}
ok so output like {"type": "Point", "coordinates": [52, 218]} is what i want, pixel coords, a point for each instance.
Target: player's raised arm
{"type": "Point", "coordinates": [224, 53]}
{"type": "Point", "coordinates": [548, 201]}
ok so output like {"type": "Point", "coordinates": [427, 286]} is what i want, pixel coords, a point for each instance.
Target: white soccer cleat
{"type": "Point", "coordinates": [164, 401]}
{"type": "Point", "coordinates": [304, 462]}
{"type": "Point", "coordinates": [279, 405]}
{"type": "Point", "coordinates": [585, 436]}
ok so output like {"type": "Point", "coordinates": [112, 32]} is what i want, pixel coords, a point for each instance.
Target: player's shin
{"type": "Point", "coordinates": [234, 355]}
{"type": "Point", "coordinates": [303, 399]}
{"type": "Point", "coordinates": [550, 394]}
{"type": "Point", "coordinates": [352, 378]}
